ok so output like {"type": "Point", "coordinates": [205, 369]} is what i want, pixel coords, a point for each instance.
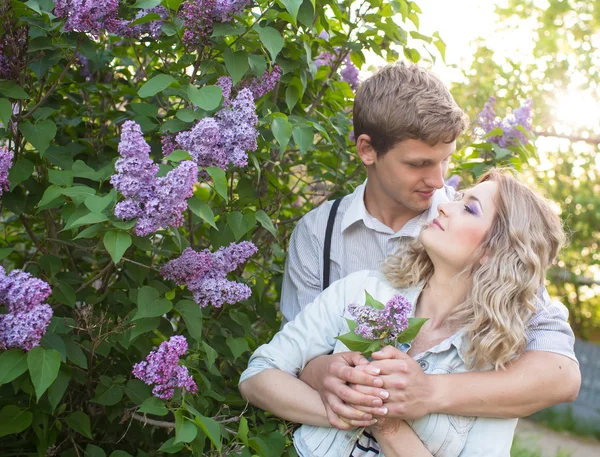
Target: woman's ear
{"type": "Point", "coordinates": [365, 150]}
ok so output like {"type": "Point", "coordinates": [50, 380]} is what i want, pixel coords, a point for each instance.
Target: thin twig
{"type": "Point", "coordinates": [145, 420]}
{"type": "Point", "coordinates": [91, 281]}
{"type": "Point", "coordinates": [25, 223]}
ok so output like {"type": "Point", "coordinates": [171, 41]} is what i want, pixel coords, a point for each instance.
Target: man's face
{"type": "Point", "coordinates": [411, 171]}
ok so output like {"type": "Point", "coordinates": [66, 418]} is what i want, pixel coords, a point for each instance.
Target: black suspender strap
{"type": "Point", "coordinates": [327, 245]}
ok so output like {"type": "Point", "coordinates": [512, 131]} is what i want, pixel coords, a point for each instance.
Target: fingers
{"type": "Point", "coordinates": [390, 352]}
{"type": "Point", "coordinates": [373, 411]}
{"type": "Point", "coordinates": [372, 391]}
{"type": "Point", "coordinates": [348, 413]}
{"type": "Point", "coordinates": [364, 374]}
{"type": "Point", "coordinates": [351, 396]}
{"type": "Point", "coordinates": [392, 366]}
{"type": "Point", "coordinates": [355, 359]}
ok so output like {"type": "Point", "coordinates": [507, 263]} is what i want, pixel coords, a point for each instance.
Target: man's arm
{"type": "Point", "coordinates": [302, 277]}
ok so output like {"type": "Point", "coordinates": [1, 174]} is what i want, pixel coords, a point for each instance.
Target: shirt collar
{"type": "Point", "coordinates": [357, 211]}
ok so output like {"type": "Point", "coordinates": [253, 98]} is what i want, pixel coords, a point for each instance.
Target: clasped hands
{"type": "Point", "coordinates": [378, 394]}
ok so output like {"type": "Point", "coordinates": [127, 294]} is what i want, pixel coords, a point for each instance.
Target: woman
{"type": "Point", "coordinates": [474, 272]}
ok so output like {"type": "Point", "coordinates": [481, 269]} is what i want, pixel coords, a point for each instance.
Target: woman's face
{"type": "Point", "coordinates": [461, 226]}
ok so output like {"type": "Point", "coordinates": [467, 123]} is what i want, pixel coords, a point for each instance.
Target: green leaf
{"type": "Point", "coordinates": [155, 85]}
{"type": "Point", "coordinates": [65, 294]}
{"type": "Point", "coordinates": [282, 130]}
{"type": "Point", "coordinates": [304, 138]}
{"type": "Point", "coordinates": [203, 211]}
{"type": "Point", "coordinates": [211, 428]}
{"type": "Point", "coordinates": [185, 431]}
{"type": "Point", "coordinates": [120, 454]}
{"type": "Point", "coordinates": [145, 109]}
{"type": "Point", "coordinates": [80, 422]}
{"type": "Point", "coordinates": [50, 194]}
{"type": "Point", "coordinates": [237, 346]}
{"type": "Point", "coordinates": [243, 430]}
{"type": "Point", "coordinates": [501, 153]}
{"type": "Point", "coordinates": [357, 343]}
{"type": "Point", "coordinates": [292, 6]}
{"type": "Point", "coordinates": [78, 193]}
{"type": "Point", "coordinates": [146, 4]}
{"type": "Point", "coordinates": [61, 177]}
{"type": "Point", "coordinates": [150, 305]}
{"type": "Point", "coordinates": [370, 301]}
{"type": "Point", "coordinates": [91, 450]}
{"type": "Point", "coordinates": [170, 448]}
{"type": "Point", "coordinates": [19, 172]}
{"type": "Point", "coordinates": [137, 391]}
{"type": "Point", "coordinates": [240, 224]}
{"type": "Point", "coordinates": [81, 170]}
{"type": "Point", "coordinates": [11, 89]}
{"type": "Point", "coordinates": [266, 222]}
{"type": "Point", "coordinates": [90, 218]}
{"type": "Point", "coordinates": [207, 98]}
{"type": "Point", "coordinates": [292, 95]}
{"type": "Point", "coordinates": [178, 156]}
{"type": "Point", "coordinates": [108, 396]}
{"type": "Point", "coordinates": [13, 363]}
{"type": "Point", "coordinates": [97, 204]}
{"type": "Point", "coordinates": [144, 325]}
{"type": "Point", "coordinates": [153, 405]}
{"type": "Point", "coordinates": [272, 40]}
{"type": "Point", "coordinates": [58, 387]}
{"type": "Point", "coordinates": [116, 243]}
{"type": "Point", "coordinates": [39, 135]}
{"type": "Point", "coordinates": [211, 355]}
{"type": "Point", "coordinates": [4, 253]}
{"type": "Point", "coordinates": [192, 316]}
{"type": "Point", "coordinates": [258, 64]}
{"type": "Point", "coordinates": [149, 17]}
{"type": "Point", "coordinates": [90, 232]}
{"type": "Point", "coordinates": [414, 325]}
{"type": "Point", "coordinates": [172, 4]}
{"type": "Point", "coordinates": [5, 111]}
{"type": "Point", "coordinates": [219, 181]}
{"type": "Point", "coordinates": [494, 132]}
{"type": "Point", "coordinates": [14, 420]}
{"type": "Point", "coordinates": [236, 64]}
{"type": "Point", "coordinates": [43, 368]}
{"type": "Point", "coordinates": [75, 354]}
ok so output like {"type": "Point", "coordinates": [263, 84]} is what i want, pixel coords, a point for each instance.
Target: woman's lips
{"type": "Point", "coordinates": [437, 224]}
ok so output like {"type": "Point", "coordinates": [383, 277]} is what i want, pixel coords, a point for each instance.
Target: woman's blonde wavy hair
{"type": "Point", "coordinates": [507, 272]}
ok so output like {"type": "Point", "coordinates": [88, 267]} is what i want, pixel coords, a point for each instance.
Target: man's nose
{"type": "Point", "coordinates": [435, 178]}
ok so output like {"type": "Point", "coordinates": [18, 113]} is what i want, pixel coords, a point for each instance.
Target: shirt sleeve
{"type": "Point", "coordinates": [302, 275]}
{"type": "Point", "coordinates": [549, 329]}
{"type": "Point", "coordinates": [311, 334]}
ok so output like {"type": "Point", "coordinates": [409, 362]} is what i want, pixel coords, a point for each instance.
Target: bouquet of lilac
{"type": "Point", "coordinates": [377, 324]}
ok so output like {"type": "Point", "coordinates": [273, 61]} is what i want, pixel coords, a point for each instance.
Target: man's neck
{"type": "Point", "coordinates": [385, 209]}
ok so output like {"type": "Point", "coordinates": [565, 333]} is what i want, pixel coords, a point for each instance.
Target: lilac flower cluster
{"type": "Point", "coordinates": [92, 16]}
{"type": "Point", "coordinates": [350, 73]}
{"type": "Point", "coordinates": [386, 323]}
{"type": "Point", "coordinates": [27, 318]}
{"type": "Point", "coordinates": [453, 181]}
{"type": "Point", "coordinates": [198, 21]}
{"type": "Point", "coordinates": [4, 61]}
{"type": "Point", "coordinates": [6, 157]}
{"type": "Point", "coordinates": [156, 202]}
{"type": "Point", "coordinates": [223, 139]}
{"type": "Point", "coordinates": [511, 136]}
{"type": "Point", "coordinates": [267, 83]}
{"type": "Point", "coordinates": [205, 273]}
{"type": "Point", "coordinates": [226, 9]}
{"type": "Point", "coordinates": [162, 369]}
{"type": "Point", "coordinates": [152, 28]}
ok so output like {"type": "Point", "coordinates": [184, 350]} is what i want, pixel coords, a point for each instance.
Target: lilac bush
{"type": "Point", "coordinates": [155, 202]}
{"type": "Point", "coordinates": [161, 369]}
{"type": "Point", "coordinates": [350, 73]}
{"type": "Point", "coordinates": [27, 318]}
{"type": "Point", "coordinates": [6, 157]}
{"type": "Point", "coordinates": [205, 273]}
{"type": "Point", "coordinates": [487, 121]}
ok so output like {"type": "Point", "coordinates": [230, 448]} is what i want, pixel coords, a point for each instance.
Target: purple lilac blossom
{"type": "Point", "coordinates": [350, 73]}
{"type": "Point", "coordinates": [6, 157]}
{"type": "Point", "coordinates": [453, 181]}
{"type": "Point", "coordinates": [225, 83]}
{"type": "Point", "coordinates": [162, 369]}
{"type": "Point", "coordinates": [205, 273]}
{"type": "Point", "coordinates": [198, 22]}
{"type": "Point", "coordinates": [27, 318]}
{"type": "Point", "coordinates": [152, 28]}
{"type": "Point", "coordinates": [386, 323]}
{"type": "Point", "coordinates": [325, 58]}
{"type": "Point", "coordinates": [225, 9]}
{"type": "Point", "coordinates": [224, 139]}
{"type": "Point", "coordinates": [169, 144]}
{"type": "Point", "coordinates": [487, 120]}
{"type": "Point", "coordinates": [267, 83]}
{"type": "Point", "coordinates": [156, 202]}
{"type": "Point", "coordinates": [92, 16]}
{"type": "Point", "coordinates": [4, 60]}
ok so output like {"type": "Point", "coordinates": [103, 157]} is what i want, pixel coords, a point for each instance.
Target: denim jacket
{"type": "Point", "coordinates": [313, 332]}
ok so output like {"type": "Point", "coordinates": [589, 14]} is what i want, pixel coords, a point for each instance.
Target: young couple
{"type": "Point", "coordinates": [495, 346]}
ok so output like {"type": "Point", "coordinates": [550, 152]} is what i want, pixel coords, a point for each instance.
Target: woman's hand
{"type": "Point", "coordinates": [387, 426]}
{"type": "Point", "coordinates": [397, 439]}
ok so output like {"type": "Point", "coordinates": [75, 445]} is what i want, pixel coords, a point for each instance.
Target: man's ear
{"type": "Point", "coordinates": [365, 150]}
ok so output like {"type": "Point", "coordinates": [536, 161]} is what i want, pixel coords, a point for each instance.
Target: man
{"type": "Point", "coordinates": [406, 123]}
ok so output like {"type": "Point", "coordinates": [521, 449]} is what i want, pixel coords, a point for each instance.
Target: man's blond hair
{"type": "Point", "coordinates": [404, 101]}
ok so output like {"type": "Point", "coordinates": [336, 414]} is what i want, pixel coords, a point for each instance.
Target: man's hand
{"type": "Point", "coordinates": [330, 375]}
{"type": "Point", "coordinates": [410, 390]}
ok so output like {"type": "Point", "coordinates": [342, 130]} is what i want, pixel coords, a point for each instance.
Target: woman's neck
{"type": "Point", "coordinates": [440, 296]}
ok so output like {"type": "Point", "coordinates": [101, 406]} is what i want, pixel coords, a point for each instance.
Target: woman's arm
{"type": "Point", "coordinates": [285, 396]}
{"type": "Point", "coordinates": [397, 439]}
